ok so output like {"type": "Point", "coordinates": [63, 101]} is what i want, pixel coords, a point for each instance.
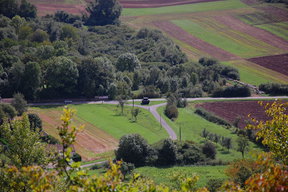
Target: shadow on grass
{"type": "Point", "coordinates": [48, 106]}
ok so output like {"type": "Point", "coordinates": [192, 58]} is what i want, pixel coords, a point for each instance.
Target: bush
{"type": "Point", "coordinates": [274, 88]}
{"type": "Point", "coordinates": [189, 153]}
{"type": "Point", "coordinates": [235, 91]}
{"type": "Point", "coordinates": [210, 117]}
{"type": "Point", "coordinates": [19, 103]}
{"type": "Point", "coordinates": [134, 149]}
{"type": "Point", "coordinates": [35, 122]}
{"type": "Point", "coordinates": [214, 184]}
{"type": "Point", "coordinates": [126, 168]}
{"type": "Point", "coordinates": [171, 111]}
{"type": "Point", "coordinates": [76, 157]}
{"type": "Point", "coordinates": [209, 150]}
{"type": "Point", "coordinates": [167, 153]}
{"type": "Point", "coordinates": [50, 139]}
{"type": "Point", "coordinates": [7, 111]}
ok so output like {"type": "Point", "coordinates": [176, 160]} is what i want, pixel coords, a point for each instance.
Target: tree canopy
{"type": "Point", "coordinates": [103, 12]}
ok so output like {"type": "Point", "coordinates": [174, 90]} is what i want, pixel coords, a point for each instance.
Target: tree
{"type": "Point", "coordinates": [35, 122]}
{"type": "Point", "coordinates": [31, 80]}
{"type": "Point", "coordinates": [209, 150]}
{"type": "Point", "coordinates": [61, 75]}
{"type": "Point", "coordinates": [103, 12]}
{"type": "Point", "coordinates": [274, 131]}
{"type": "Point", "coordinates": [27, 9]}
{"type": "Point", "coordinates": [243, 144]}
{"type": "Point", "coordinates": [7, 111]}
{"type": "Point", "coordinates": [127, 62]}
{"type": "Point", "coordinates": [135, 112]}
{"type": "Point", "coordinates": [126, 168]}
{"type": "Point", "coordinates": [19, 103]}
{"type": "Point", "coordinates": [8, 8]}
{"type": "Point", "coordinates": [167, 153]}
{"type": "Point", "coordinates": [24, 147]}
{"type": "Point", "coordinates": [134, 149]}
{"type": "Point", "coordinates": [171, 111]}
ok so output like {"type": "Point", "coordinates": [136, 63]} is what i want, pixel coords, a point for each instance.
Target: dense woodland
{"type": "Point", "coordinates": [63, 56]}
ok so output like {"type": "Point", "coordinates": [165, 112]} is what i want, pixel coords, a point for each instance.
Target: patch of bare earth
{"type": "Point", "coordinates": [182, 35]}
{"type": "Point", "coordinates": [89, 142]}
{"type": "Point", "coordinates": [277, 63]}
{"type": "Point", "coordinates": [232, 110]}
{"type": "Point", "coordinates": [255, 32]}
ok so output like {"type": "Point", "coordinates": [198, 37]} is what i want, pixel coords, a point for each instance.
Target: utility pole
{"type": "Point", "coordinates": [180, 133]}
{"type": "Point", "coordinates": [160, 120]}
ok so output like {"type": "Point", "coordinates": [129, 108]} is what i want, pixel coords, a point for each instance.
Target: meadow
{"type": "Point", "coordinates": [104, 126]}
{"type": "Point", "coordinates": [192, 125]}
{"type": "Point", "coordinates": [165, 175]}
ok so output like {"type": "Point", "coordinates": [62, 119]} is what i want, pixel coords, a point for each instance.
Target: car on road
{"type": "Point", "coordinates": [145, 101]}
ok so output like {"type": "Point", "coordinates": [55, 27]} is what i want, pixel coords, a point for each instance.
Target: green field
{"type": "Point", "coordinates": [237, 43]}
{"type": "Point", "coordinates": [164, 175]}
{"type": "Point", "coordinates": [189, 8]}
{"type": "Point", "coordinates": [192, 125]}
{"type": "Point", "coordinates": [280, 29]}
{"type": "Point", "coordinates": [108, 118]}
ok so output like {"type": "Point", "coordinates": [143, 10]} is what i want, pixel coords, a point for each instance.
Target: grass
{"type": "Point", "coordinates": [229, 40]}
{"type": "Point", "coordinates": [280, 29]}
{"type": "Point", "coordinates": [192, 125]}
{"type": "Point", "coordinates": [108, 118]}
{"type": "Point", "coordinates": [164, 175]}
{"type": "Point", "coordinates": [254, 74]}
{"type": "Point", "coordinates": [189, 8]}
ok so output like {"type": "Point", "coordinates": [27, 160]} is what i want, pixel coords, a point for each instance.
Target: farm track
{"type": "Point", "coordinates": [197, 43]}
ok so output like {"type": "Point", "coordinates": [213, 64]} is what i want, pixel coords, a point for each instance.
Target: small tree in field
{"type": "Point", "coordinates": [135, 112]}
{"type": "Point", "coordinates": [243, 144]}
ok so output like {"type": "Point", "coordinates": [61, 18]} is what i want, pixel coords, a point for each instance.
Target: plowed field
{"type": "Point", "coordinates": [231, 110]}
{"type": "Point", "coordinates": [277, 63]}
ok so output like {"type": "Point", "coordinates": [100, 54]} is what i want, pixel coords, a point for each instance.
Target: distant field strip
{"type": "Point", "coordinates": [159, 3]}
{"type": "Point", "coordinates": [189, 8]}
{"type": "Point", "coordinates": [279, 29]}
{"type": "Point", "coordinates": [255, 74]}
{"type": "Point", "coordinates": [233, 41]}
{"type": "Point", "coordinates": [260, 34]}
{"type": "Point", "coordinates": [193, 41]}
{"type": "Point", "coordinates": [277, 63]}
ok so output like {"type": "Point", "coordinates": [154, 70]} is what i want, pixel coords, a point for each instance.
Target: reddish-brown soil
{"type": "Point", "coordinates": [277, 63]}
{"type": "Point", "coordinates": [89, 142]}
{"type": "Point", "coordinates": [250, 2]}
{"type": "Point", "coordinates": [44, 7]}
{"type": "Point", "coordinates": [231, 110]}
{"type": "Point", "coordinates": [281, 14]}
{"type": "Point", "coordinates": [255, 32]}
{"type": "Point", "coordinates": [182, 35]}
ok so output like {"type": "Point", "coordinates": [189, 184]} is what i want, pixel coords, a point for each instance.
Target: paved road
{"type": "Point", "coordinates": [153, 108]}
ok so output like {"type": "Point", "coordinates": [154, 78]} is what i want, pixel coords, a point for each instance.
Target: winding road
{"type": "Point", "coordinates": [153, 108]}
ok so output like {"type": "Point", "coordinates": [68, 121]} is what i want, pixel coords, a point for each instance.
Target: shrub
{"type": "Point", "coordinates": [35, 122]}
{"type": "Point", "coordinates": [19, 103]}
{"type": "Point", "coordinates": [76, 157]}
{"type": "Point", "coordinates": [126, 168]}
{"type": "Point", "coordinates": [274, 88]}
{"type": "Point", "coordinates": [214, 184]}
{"type": "Point", "coordinates": [235, 91]}
{"type": "Point", "coordinates": [134, 149]}
{"type": "Point", "coordinates": [171, 111]}
{"type": "Point", "coordinates": [50, 139]}
{"type": "Point", "coordinates": [210, 117]}
{"type": "Point", "coordinates": [209, 150]}
{"type": "Point", "coordinates": [167, 153]}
